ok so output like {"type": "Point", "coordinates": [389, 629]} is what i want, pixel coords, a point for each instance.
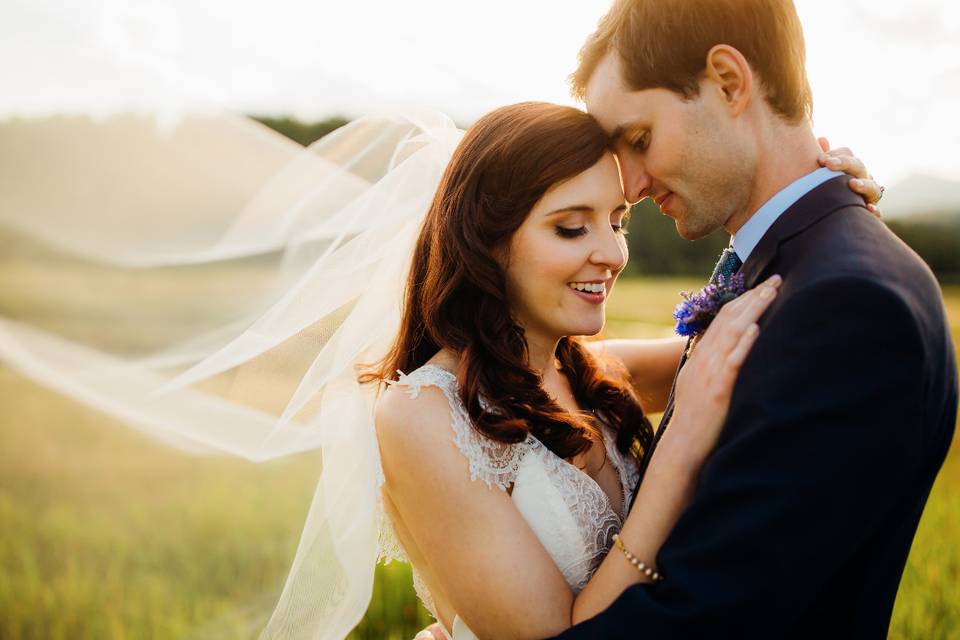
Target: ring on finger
{"type": "Point", "coordinates": [879, 193]}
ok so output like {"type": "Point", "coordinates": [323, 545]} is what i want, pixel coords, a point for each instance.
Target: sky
{"type": "Point", "coordinates": [885, 74]}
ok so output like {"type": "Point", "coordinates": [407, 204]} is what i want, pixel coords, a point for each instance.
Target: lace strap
{"type": "Point", "coordinates": [495, 463]}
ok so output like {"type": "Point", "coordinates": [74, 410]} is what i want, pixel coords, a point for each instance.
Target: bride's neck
{"type": "Point", "coordinates": [542, 356]}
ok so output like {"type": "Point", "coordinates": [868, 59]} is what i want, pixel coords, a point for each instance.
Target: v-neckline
{"type": "Point", "coordinates": [616, 468]}
{"type": "Point", "coordinates": [621, 473]}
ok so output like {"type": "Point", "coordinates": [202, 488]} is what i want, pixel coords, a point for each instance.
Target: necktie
{"type": "Point", "coordinates": [727, 265]}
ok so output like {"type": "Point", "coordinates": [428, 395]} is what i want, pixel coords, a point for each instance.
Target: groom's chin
{"type": "Point", "coordinates": [693, 229]}
{"type": "Point", "coordinates": [689, 234]}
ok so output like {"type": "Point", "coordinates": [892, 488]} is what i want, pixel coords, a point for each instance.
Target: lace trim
{"type": "Point", "coordinates": [498, 464]}
{"type": "Point", "coordinates": [627, 468]}
{"type": "Point", "coordinates": [591, 508]}
{"type": "Point", "coordinates": [388, 543]}
{"type": "Point", "coordinates": [493, 462]}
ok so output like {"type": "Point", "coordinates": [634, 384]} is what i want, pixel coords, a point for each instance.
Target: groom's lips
{"type": "Point", "coordinates": [664, 201]}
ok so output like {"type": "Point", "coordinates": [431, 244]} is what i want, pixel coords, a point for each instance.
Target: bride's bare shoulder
{"type": "Point", "coordinates": [409, 420]}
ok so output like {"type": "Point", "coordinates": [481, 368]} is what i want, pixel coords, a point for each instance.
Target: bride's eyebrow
{"type": "Point", "coordinates": [574, 208]}
{"type": "Point", "coordinates": [584, 208]}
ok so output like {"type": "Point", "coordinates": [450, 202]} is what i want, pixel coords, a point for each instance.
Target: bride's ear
{"type": "Point", "coordinates": [729, 74]}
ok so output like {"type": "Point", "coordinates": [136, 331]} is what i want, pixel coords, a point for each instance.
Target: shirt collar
{"type": "Point", "coordinates": [747, 237]}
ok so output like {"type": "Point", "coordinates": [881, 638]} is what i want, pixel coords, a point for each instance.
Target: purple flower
{"type": "Point", "coordinates": [698, 310]}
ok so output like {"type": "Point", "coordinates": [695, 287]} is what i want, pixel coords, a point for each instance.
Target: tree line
{"type": "Point", "coordinates": [655, 248]}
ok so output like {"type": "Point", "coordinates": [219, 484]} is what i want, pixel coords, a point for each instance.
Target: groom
{"type": "Point", "coordinates": [846, 406]}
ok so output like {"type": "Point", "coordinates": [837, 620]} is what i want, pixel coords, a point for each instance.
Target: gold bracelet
{"type": "Point", "coordinates": [635, 561]}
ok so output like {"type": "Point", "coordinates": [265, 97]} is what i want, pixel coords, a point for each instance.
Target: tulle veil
{"type": "Point", "coordinates": [245, 277]}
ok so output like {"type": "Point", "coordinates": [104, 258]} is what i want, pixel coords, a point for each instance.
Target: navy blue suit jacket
{"type": "Point", "coordinates": [840, 420]}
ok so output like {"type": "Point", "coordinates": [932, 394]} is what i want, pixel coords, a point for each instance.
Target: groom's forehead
{"type": "Point", "coordinates": [608, 99]}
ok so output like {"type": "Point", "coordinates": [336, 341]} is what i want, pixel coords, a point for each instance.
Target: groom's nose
{"type": "Point", "coordinates": [636, 180]}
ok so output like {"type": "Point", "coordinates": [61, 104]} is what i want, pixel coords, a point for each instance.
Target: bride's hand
{"type": "Point", "coordinates": [706, 381]}
{"type": "Point", "coordinates": [861, 182]}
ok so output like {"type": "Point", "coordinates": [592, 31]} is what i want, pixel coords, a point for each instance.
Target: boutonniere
{"type": "Point", "coordinates": [697, 310]}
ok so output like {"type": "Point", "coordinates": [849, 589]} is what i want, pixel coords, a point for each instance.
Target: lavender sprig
{"type": "Point", "coordinates": [698, 310]}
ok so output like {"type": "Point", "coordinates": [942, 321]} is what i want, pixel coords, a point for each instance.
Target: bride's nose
{"type": "Point", "coordinates": [610, 251]}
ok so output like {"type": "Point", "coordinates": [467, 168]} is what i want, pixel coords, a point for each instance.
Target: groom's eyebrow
{"type": "Point", "coordinates": [619, 131]}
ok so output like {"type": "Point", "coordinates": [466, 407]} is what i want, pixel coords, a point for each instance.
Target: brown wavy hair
{"type": "Point", "coordinates": [456, 293]}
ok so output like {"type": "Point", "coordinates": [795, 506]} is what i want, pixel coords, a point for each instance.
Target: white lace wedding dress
{"type": "Point", "coordinates": [567, 510]}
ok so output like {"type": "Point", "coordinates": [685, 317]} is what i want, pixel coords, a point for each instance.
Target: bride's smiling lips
{"type": "Point", "coordinates": [593, 297]}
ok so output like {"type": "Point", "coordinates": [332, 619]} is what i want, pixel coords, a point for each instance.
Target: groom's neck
{"type": "Point", "coordinates": [786, 153]}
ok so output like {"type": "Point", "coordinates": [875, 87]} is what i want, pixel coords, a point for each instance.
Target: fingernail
{"type": "Point", "coordinates": [753, 330]}
{"type": "Point", "coordinates": [423, 635]}
{"type": "Point", "coordinates": [833, 162]}
{"type": "Point", "coordinates": [775, 280]}
{"type": "Point", "coordinates": [857, 182]}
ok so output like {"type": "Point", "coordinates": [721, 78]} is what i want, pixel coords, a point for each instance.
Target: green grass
{"type": "Point", "coordinates": [105, 534]}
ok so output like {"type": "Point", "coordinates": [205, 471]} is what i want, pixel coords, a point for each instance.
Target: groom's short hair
{"type": "Point", "coordinates": [664, 44]}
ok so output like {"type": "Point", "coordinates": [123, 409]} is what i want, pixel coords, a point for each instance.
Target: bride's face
{"type": "Point", "coordinates": [567, 254]}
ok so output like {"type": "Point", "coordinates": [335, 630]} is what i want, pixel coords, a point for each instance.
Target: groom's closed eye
{"type": "Point", "coordinates": [640, 142]}
{"type": "Point", "coordinates": [634, 134]}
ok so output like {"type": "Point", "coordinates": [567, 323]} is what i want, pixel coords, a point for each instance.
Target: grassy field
{"type": "Point", "coordinates": [104, 534]}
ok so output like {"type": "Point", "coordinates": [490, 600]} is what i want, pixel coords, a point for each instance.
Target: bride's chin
{"type": "Point", "coordinates": [586, 329]}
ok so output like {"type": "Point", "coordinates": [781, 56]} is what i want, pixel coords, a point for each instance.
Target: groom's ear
{"type": "Point", "coordinates": [729, 74]}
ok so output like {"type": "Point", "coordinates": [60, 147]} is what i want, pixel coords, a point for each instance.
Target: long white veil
{"type": "Point", "coordinates": [242, 278]}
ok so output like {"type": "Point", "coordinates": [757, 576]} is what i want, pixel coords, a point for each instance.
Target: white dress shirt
{"type": "Point", "coordinates": [747, 237]}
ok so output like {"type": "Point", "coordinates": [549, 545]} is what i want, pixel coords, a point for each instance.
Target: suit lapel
{"type": "Point", "coordinates": [823, 200]}
{"type": "Point", "coordinates": [667, 412]}
{"type": "Point", "coordinates": [820, 202]}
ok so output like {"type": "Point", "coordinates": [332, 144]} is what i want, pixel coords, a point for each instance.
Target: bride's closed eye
{"type": "Point", "coordinates": [567, 232]}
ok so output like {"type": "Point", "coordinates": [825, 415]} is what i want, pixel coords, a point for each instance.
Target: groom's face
{"type": "Point", "coordinates": [685, 154]}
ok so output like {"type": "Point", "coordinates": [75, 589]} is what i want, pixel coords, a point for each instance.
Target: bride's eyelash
{"type": "Point", "coordinates": [566, 232]}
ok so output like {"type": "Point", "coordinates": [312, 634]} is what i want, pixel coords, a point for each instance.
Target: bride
{"type": "Point", "coordinates": [509, 447]}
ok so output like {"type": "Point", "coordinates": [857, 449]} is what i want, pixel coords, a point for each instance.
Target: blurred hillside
{"type": "Point", "coordinates": [299, 131]}
{"type": "Point", "coordinates": [923, 197]}
{"type": "Point", "coordinates": [923, 211]}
